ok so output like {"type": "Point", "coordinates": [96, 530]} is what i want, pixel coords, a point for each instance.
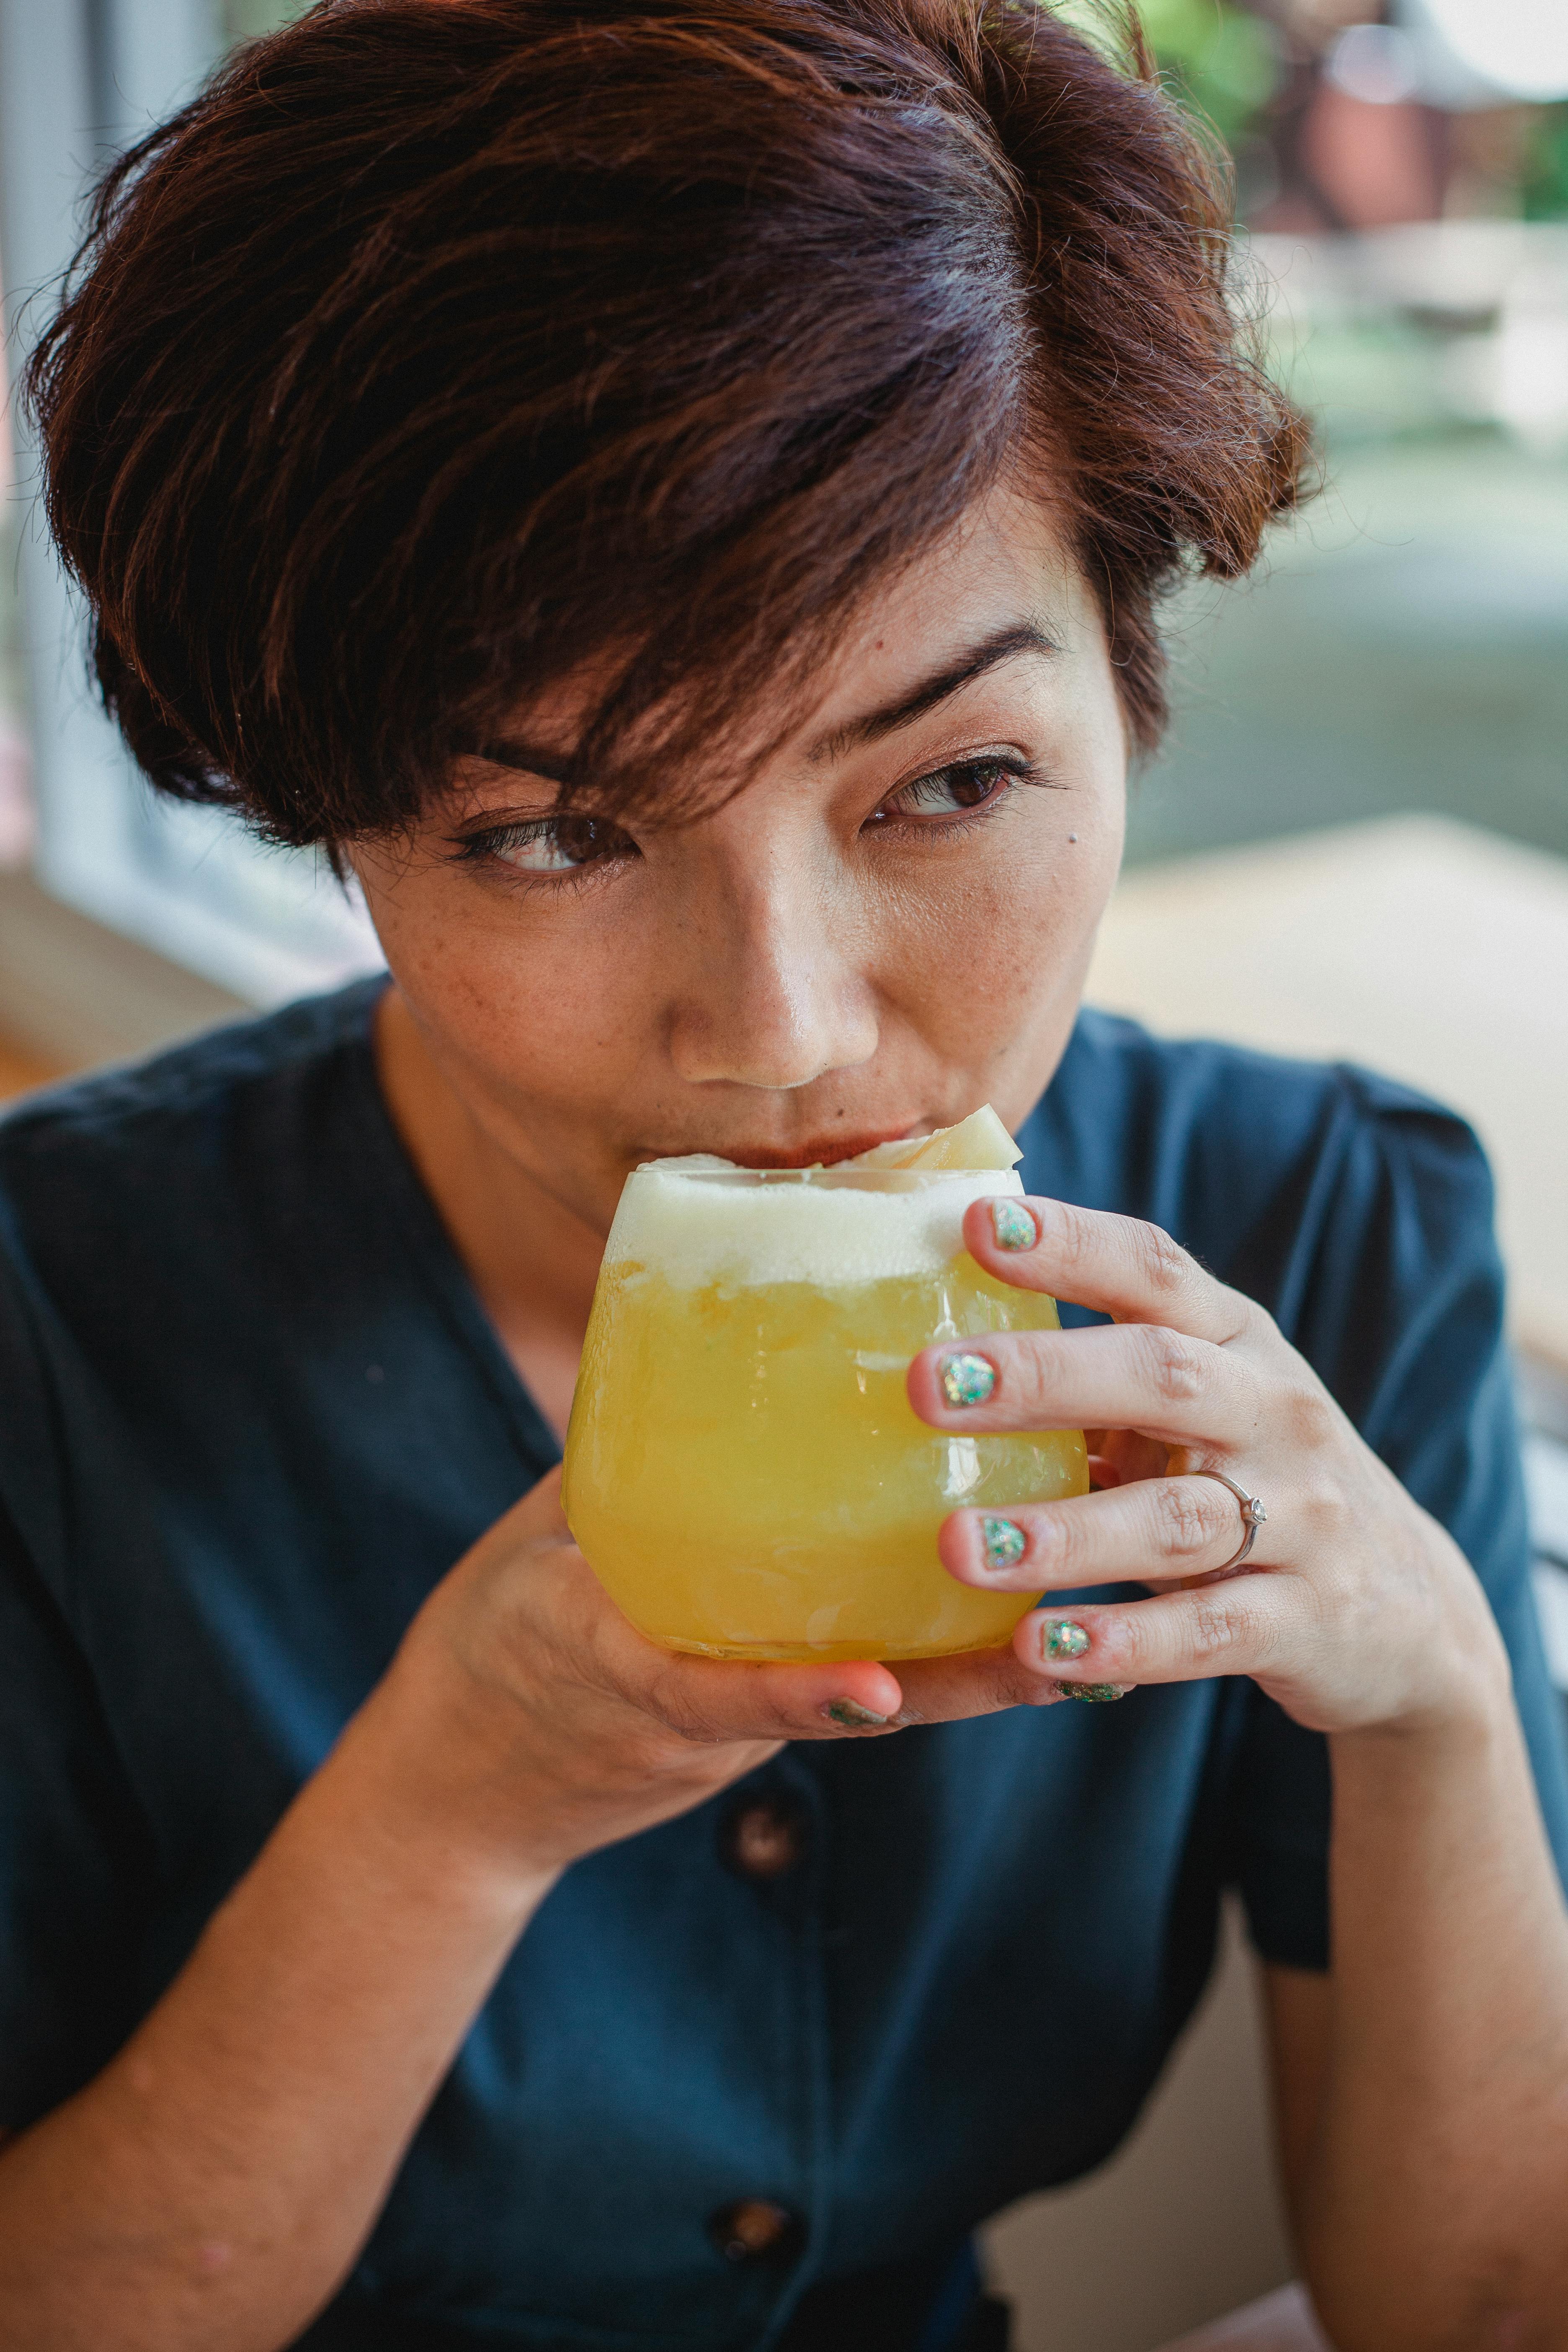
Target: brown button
{"type": "Point", "coordinates": [752, 2228]}
{"type": "Point", "coordinates": [763, 1838]}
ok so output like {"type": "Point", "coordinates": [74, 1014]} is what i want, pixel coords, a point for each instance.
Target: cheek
{"type": "Point", "coordinates": [1026, 898]}
{"type": "Point", "coordinates": [992, 963]}
{"type": "Point", "coordinates": [533, 999]}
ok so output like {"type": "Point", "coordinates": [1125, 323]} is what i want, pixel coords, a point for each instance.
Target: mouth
{"type": "Point", "coordinates": [820, 1151]}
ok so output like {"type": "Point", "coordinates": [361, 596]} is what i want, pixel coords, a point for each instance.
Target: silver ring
{"type": "Point", "coordinates": [1252, 1515]}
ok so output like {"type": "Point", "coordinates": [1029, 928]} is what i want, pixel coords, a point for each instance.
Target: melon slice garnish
{"type": "Point", "coordinates": [978, 1141]}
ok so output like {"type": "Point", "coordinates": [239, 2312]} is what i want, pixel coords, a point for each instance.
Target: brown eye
{"type": "Point", "coordinates": [948, 791]}
{"type": "Point", "coordinates": [554, 845]}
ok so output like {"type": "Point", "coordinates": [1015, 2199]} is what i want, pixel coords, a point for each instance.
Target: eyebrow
{"type": "Point", "coordinates": [527, 758]}
{"type": "Point", "coordinates": [988, 653]}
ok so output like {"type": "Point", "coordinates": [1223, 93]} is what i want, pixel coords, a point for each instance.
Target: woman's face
{"type": "Point", "coordinates": [888, 927]}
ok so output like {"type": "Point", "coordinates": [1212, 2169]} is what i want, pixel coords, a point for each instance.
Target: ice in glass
{"type": "Point", "coordinates": [744, 1470]}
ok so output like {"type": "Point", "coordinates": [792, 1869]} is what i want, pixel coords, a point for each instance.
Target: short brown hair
{"type": "Point", "coordinates": [442, 346]}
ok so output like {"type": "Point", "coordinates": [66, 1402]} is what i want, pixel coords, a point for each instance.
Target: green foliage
{"type": "Point", "coordinates": [1222, 59]}
{"type": "Point", "coordinates": [245, 20]}
{"type": "Point", "coordinates": [1545, 180]}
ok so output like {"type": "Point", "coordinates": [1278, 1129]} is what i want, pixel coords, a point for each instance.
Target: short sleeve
{"type": "Point", "coordinates": [1394, 1294]}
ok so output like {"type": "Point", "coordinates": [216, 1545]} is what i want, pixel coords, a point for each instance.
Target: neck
{"type": "Point", "coordinates": [533, 1262]}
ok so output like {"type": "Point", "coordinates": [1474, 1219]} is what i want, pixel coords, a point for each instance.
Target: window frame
{"type": "Point", "coordinates": [78, 80]}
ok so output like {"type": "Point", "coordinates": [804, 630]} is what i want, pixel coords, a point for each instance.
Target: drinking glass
{"type": "Point", "coordinates": [743, 1471]}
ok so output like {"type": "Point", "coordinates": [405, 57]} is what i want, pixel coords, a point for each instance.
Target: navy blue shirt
{"type": "Point", "coordinates": [252, 1412]}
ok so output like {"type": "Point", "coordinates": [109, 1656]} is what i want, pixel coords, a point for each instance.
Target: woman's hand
{"type": "Point", "coordinates": [543, 1724]}
{"type": "Point", "coordinates": [1354, 1609]}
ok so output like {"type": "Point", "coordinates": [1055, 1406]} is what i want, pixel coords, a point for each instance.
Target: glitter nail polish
{"type": "Point", "coordinates": [1004, 1541]}
{"type": "Point", "coordinates": [851, 1716]}
{"type": "Point", "coordinates": [1014, 1225]}
{"type": "Point", "coordinates": [1063, 1638]}
{"type": "Point", "coordinates": [967, 1380]}
{"type": "Point", "coordinates": [1094, 1693]}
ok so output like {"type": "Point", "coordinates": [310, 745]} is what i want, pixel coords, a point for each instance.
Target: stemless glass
{"type": "Point", "coordinates": [743, 1471]}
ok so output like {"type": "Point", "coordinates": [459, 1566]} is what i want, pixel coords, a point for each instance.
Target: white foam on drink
{"type": "Point", "coordinates": [696, 1225]}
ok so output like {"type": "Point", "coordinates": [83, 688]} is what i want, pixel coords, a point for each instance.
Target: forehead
{"type": "Point", "coordinates": [1003, 583]}
{"type": "Point", "coordinates": [1008, 567]}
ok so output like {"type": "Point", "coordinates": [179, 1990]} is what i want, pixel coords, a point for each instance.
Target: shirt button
{"type": "Point", "coordinates": [762, 1839]}
{"type": "Point", "coordinates": [754, 2227]}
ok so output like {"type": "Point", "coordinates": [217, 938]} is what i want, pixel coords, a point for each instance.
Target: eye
{"type": "Point", "coordinates": [548, 845]}
{"type": "Point", "coordinates": [957, 789]}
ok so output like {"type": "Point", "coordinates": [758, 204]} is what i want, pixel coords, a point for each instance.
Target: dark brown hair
{"type": "Point", "coordinates": [442, 346]}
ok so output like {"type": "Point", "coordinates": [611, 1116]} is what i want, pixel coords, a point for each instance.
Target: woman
{"type": "Point", "coordinates": [677, 504]}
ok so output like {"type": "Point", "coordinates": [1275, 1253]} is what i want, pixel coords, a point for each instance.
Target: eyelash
{"type": "Point", "coordinates": [498, 843]}
{"type": "Point", "coordinates": [1007, 767]}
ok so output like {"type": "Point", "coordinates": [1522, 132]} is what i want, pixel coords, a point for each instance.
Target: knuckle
{"type": "Point", "coordinates": [1189, 1519]}
{"type": "Point", "coordinates": [1163, 1263]}
{"type": "Point", "coordinates": [1175, 1365]}
{"type": "Point", "coordinates": [670, 1700]}
{"type": "Point", "coordinates": [1228, 1623]}
{"type": "Point", "coordinates": [1253, 1321]}
{"type": "Point", "coordinates": [1326, 1519]}
{"type": "Point", "coordinates": [1027, 1377]}
{"type": "Point", "coordinates": [1312, 1417]}
{"type": "Point", "coordinates": [1214, 1628]}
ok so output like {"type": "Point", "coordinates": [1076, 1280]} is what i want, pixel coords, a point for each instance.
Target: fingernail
{"type": "Point", "coordinates": [1094, 1693]}
{"type": "Point", "coordinates": [1004, 1541]}
{"type": "Point", "coordinates": [967, 1380]}
{"type": "Point", "coordinates": [1012, 1224]}
{"type": "Point", "coordinates": [1063, 1638]}
{"type": "Point", "coordinates": [851, 1716]}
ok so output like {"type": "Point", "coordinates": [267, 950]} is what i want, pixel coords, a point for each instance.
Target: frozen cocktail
{"type": "Point", "coordinates": [743, 1471]}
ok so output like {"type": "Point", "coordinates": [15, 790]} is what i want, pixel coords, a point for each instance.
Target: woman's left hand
{"type": "Point", "coordinates": [1354, 1609]}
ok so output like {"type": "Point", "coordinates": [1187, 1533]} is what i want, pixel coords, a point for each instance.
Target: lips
{"type": "Point", "coordinates": [824, 1150]}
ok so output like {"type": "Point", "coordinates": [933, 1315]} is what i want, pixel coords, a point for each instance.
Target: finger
{"type": "Point", "coordinates": [1117, 1456]}
{"type": "Point", "coordinates": [1247, 1625]}
{"type": "Point", "coordinates": [717, 1700]}
{"type": "Point", "coordinates": [974, 1682]}
{"type": "Point", "coordinates": [1125, 1268]}
{"type": "Point", "coordinates": [1139, 1376]}
{"type": "Point", "coordinates": [1156, 1528]}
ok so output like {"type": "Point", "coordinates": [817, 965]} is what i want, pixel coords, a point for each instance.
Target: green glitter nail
{"type": "Point", "coordinates": [851, 1716]}
{"type": "Point", "coordinates": [1006, 1542]}
{"type": "Point", "coordinates": [1094, 1693]}
{"type": "Point", "coordinates": [1064, 1638]}
{"type": "Point", "coordinates": [1014, 1225]}
{"type": "Point", "coordinates": [967, 1380]}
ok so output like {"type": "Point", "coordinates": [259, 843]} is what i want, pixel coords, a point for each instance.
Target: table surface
{"type": "Point", "coordinates": [1418, 946]}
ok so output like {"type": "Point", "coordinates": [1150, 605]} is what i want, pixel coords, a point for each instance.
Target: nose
{"type": "Point", "coordinates": [772, 994]}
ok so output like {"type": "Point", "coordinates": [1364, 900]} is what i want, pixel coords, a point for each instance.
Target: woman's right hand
{"type": "Point", "coordinates": [543, 1724]}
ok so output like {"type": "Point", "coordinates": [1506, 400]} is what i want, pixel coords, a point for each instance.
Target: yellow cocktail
{"type": "Point", "coordinates": [743, 1471]}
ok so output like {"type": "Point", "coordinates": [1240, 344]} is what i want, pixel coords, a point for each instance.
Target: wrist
{"type": "Point", "coordinates": [1460, 1708]}
{"type": "Point", "coordinates": [1453, 1681]}
{"type": "Point", "coordinates": [430, 1747]}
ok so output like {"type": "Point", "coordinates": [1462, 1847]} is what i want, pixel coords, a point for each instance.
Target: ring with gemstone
{"type": "Point", "coordinates": [1252, 1515]}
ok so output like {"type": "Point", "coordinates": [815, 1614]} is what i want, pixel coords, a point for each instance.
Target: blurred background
{"type": "Point", "coordinates": [1355, 842]}
{"type": "Point", "coordinates": [1402, 203]}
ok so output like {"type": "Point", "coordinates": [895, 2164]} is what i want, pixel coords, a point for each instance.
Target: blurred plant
{"type": "Point", "coordinates": [1225, 60]}
{"type": "Point", "coordinates": [246, 20]}
{"type": "Point", "coordinates": [1544, 184]}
